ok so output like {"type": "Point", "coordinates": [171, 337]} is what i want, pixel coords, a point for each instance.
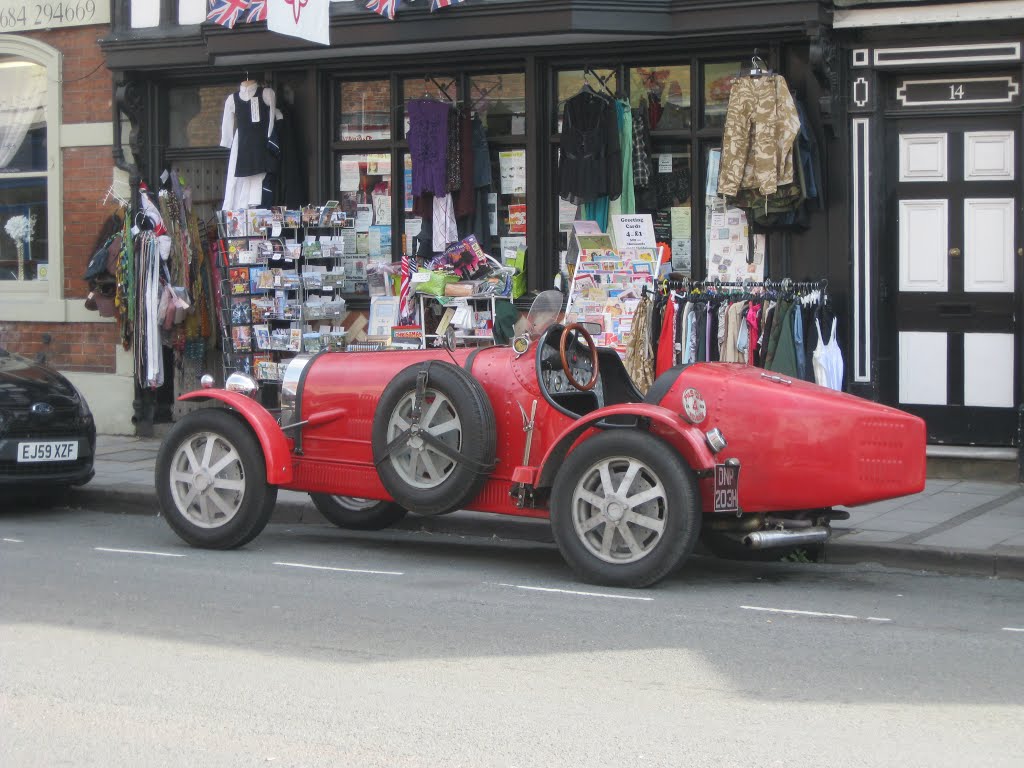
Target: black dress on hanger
{"type": "Point", "coordinates": [591, 157]}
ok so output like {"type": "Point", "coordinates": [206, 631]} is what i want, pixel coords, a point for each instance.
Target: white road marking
{"type": "Point", "coordinates": [342, 570]}
{"type": "Point", "coordinates": [14, 541]}
{"type": "Point", "coordinates": [819, 614]}
{"type": "Point", "coordinates": [575, 592]}
{"type": "Point", "coordinates": [1012, 629]}
{"type": "Point", "coordinates": [138, 552]}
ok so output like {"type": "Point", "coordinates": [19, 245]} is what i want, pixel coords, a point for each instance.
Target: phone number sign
{"type": "Point", "coordinates": [22, 15]}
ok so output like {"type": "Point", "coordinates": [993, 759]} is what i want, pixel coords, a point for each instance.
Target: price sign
{"type": "Point", "coordinates": [22, 15]}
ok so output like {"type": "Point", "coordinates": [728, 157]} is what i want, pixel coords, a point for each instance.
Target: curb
{"type": "Point", "coordinates": [484, 525]}
{"type": "Point", "coordinates": [958, 562]}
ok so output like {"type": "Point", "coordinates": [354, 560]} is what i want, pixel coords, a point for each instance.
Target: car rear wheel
{"type": "Point", "coordinates": [211, 481]}
{"type": "Point", "coordinates": [624, 509]}
{"type": "Point", "coordinates": [434, 438]}
{"type": "Point", "coordinates": [357, 514]}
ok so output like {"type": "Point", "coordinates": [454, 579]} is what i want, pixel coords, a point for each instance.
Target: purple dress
{"type": "Point", "coordinates": [428, 145]}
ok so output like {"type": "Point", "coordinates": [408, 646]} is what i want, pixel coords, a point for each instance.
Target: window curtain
{"type": "Point", "coordinates": [22, 104]}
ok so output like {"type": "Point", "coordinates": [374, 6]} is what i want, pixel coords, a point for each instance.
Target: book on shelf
{"type": "Point", "coordinates": [241, 310]}
{"type": "Point", "coordinates": [241, 338]}
{"type": "Point", "coordinates": [239, 279]}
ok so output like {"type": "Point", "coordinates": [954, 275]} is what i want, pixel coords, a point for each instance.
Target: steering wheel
{"type": "Point", "coordinates": [573, 333]}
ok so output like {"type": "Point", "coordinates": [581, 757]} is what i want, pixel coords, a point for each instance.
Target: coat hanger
{"type": "Point", "coordinates": [757, 66]}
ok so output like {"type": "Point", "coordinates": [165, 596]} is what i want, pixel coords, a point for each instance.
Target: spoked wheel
{"type": "Point", "coordinates": [357, 514]}
{"type": "Point", "coordinates": [211, 481]}
{"type": "Point", "coordinates": [624, 509]}
{"type": "Point", "coordinates": [434, 438]}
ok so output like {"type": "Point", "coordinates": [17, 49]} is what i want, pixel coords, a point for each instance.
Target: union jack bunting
{"type": "Point", "coordinates": [257, 11]}
{"type": "Point", "coordinates": [226, 12]}
{"type": "Point", "coordinates": [386, 8]}
{"type": "Point", "coordinates": [435, 4]}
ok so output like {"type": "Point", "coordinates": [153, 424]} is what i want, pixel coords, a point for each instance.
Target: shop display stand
{"type": "Point", "coordinates": [480, 306]}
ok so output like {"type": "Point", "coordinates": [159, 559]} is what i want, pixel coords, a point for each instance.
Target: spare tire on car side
{"type": "Point", "coordinates": [434, 437]}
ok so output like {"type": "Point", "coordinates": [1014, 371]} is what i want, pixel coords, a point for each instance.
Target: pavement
{"type": "Point", "coordinates": [953, 526]}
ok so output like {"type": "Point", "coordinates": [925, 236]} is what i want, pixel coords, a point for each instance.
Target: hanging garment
{"type": "Point", "coordinates": [782, 327]}
{"type": "Point", "coordinates": [453, 153]}
{"type": "Point", "coordinates": [785, 359]}
{"type": "Point", "coordinates": [481, 155]}
{"type": "Point", "coordinates": [690, 350]}
{"type": "Point", "coordinates": [798, 340]}
{"type": "Point", "coordinates": [639, 355]}
{"type": "Point", "coordinates": [735, 323]}
{"type": "Point", "coordinates": [753, 325]}
{"type": "Point", "coordinates": [641, 149]}
{"type": "Point", "coordinates": [666, 340]}
{"type": "Point", "coordinates": [828, 360]}
{"type": "Point", "coordinates": [445, 230]}
{"type": "Point", "coordinates": [428, 145]}
{"type": "Point", "coordinates": [761, 125]}
{"type": "Point", "coordinates": [597, 210]}
{"type": "Point", "coordinates": [247, 139]}
{"type": "Point", "coordinates": [627, 202]}
{"type": "Point", "coordinates": [590, 163]}
{"type": "Point", "coordinates": [465, 201]}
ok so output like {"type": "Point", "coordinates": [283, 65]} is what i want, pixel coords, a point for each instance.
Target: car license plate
{"type": "Point", "coordinates": [54, 450]}
{"type": "Point", "coordinates": [727, 488]}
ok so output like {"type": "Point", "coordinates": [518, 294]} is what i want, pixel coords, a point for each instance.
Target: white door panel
{"type": "Point", "coordinates": [988, 370]}
{"type": "Point", "coordinates": [923, 157]}
{"type": "Point", "coordinates": [923, 358]}
{"type": "Point", "coordinates": [988, 156]}
{"type": "Point", "coordinates": [924, 245]}
{"type": "Point", "coordinates": [988, 245]}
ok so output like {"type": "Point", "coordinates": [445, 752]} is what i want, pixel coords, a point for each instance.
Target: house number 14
{"type": "Point", "coordinates": [956, 92]}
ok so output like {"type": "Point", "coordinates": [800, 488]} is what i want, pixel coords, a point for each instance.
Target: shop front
{"type": "Point", "coordinates": [512, 68]}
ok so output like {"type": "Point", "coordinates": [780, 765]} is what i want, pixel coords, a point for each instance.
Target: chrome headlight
{"type": "Point", "coordinates": [716, 440]}
{"type": "Point", "coordinates": [290, 387]}
{"type": "Point", "coordinates": [242, 383]}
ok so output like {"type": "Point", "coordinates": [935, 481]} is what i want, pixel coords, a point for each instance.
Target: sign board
{"type": "Point", "coordinates": [24, 15]}
{"type": "Point", "coordinates": [633, 231]}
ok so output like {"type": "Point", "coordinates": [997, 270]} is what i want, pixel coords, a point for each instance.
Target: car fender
{"type": "Point", "coordinates": [669, 426]}
{"type": "Point", "coordinates": [277, 452]}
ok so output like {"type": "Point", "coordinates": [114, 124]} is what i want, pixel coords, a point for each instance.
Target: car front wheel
{"type": "Point", "coordinates": [211, 481]}
{"type": "Point", "coordinates": [624, 509]}
{"type": "Point", "coordinates": [357, 514]}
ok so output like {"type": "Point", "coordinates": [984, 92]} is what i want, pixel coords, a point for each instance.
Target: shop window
{"type": "Point", "coordinates": [364, 110]}
{"type": "Point", "coordinates": [718, 80]}
{"type": "Point", "coordinates": [664, 94]}
{"type": "Point", "coordinates": [500, 101]}
{"type": "Point", "coordinates": [24, 177]}
{"type": "Point", "coordinates": [195, 114]}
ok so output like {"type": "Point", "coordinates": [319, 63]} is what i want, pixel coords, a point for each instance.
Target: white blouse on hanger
{"type": "Point", "coordinates": [240, 192]}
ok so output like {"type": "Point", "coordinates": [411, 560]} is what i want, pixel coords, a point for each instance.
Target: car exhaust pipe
{"type": "Point", "coordinates": [771, 539]}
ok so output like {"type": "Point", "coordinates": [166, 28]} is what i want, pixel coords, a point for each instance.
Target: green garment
{"type": "Point", "coordinates": [627, 202]}
{"type": "Point", "coordinates": [784, 361]}
{"type": "Point", "coordinates": [782, 320]}
{"type": "Point", "coordinates": [505, 318]}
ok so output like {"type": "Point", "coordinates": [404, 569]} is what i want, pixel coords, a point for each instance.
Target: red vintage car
{"type": "Point", "coordinates": [550, 427]}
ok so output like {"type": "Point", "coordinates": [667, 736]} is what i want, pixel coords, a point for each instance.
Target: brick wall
{"type": "Point", "coordinates": [87, 84]}
{"type": "Point", "coordinates": [87, 172]}
{"type": "Point", "coordinates": [72, 346]}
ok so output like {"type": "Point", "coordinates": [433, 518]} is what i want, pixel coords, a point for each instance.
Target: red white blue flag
{"type": "Point", "coordinates": [257, 11]}
{"type": "Point", "coordinates": [435, 4]}
{"type": "Point", "coordinates": [386, 8]}
{"type": "Point", "coordinates": [227, 12]}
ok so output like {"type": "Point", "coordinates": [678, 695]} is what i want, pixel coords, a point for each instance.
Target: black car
{"type": "Point", "coordinates": [47, 433]}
